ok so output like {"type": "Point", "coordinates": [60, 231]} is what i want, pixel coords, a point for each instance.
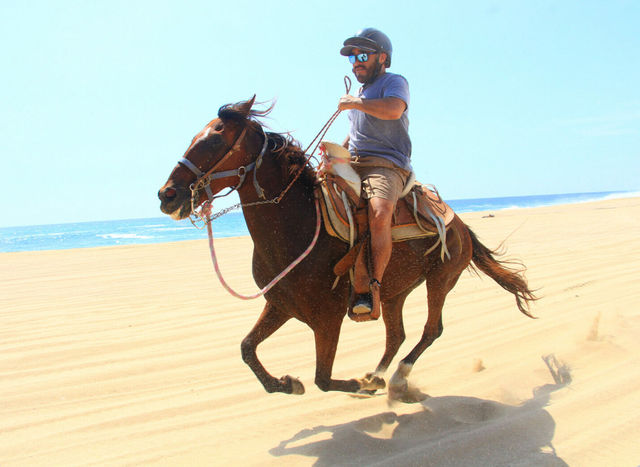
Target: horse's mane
{"type": "Point", "coordinates": [289, 153]}
{"type": "Point", "coordinates": [282, 146]}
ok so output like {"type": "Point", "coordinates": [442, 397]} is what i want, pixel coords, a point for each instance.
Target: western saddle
{"type": "Point", "coordinates": [420, 212]}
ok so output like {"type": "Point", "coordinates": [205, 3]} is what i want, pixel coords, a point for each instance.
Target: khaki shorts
{"type": "Point", "coordinates": [381, 178]}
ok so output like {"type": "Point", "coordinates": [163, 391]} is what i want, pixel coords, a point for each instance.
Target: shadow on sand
{"type": "Point", "coordinates": [449, 431]}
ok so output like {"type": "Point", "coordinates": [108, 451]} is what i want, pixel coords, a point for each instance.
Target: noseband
{"type": "Point", "coordinates": [204, 179]}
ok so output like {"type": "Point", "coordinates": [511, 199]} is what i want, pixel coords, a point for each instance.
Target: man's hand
{"type": "Point", "coordinates": [349, 102]}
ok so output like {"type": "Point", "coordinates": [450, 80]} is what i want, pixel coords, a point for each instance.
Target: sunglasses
{"type": "Point", "coordinates": [363, 57]}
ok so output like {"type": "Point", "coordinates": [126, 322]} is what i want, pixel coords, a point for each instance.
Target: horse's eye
{"type": "Point", "coordinates": [219, 126]}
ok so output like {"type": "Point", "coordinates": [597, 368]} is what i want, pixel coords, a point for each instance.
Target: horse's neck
{"type": "Point", "coordinates": [276, 226]}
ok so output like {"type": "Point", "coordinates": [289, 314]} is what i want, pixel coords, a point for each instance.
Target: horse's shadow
{"type": "Point", "coordinates": [449, 431]}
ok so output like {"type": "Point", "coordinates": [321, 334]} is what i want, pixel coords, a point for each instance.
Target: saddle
{"type": "Point", "coordinates": [420, 212]}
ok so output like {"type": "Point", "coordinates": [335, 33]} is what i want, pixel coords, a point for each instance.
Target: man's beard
{"type": "Point", "coordinates": [374, 74]}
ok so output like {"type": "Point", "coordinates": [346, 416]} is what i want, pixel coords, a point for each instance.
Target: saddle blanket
{"type": "Point", "coordinates": [421, 213]}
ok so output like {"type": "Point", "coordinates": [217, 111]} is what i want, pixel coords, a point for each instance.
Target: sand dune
{"type": "Point", "coordinates": [131, 355]}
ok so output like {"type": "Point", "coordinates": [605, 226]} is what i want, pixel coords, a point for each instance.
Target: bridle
{"type": "Point", "coordinates": [204, 179]}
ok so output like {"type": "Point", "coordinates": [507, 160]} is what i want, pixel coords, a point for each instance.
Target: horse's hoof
{"type": "Point", "coordinates": [293, 385]}
{"type": "Point", "coordinates": [371, 382]}
{"type": "Point", "coordinates": [406, 393]}
{"type": "Point", "coordinates": [398, 390]}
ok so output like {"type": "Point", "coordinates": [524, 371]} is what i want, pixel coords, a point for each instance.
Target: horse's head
{"type": "Point", "coordinates": [217, 158]}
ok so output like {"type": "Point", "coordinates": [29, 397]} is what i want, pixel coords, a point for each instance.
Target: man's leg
{"type": "Point", "coordinates": [382, 186]}
{"type": "Point", "coordinates": [380, 214]}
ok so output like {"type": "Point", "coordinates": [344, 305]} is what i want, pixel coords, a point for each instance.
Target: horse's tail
{"type": "Point", "coordinates": [509, 279]}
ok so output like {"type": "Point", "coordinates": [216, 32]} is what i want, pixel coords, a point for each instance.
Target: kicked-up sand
{"type": "Point", "coordinates": [131, 356]}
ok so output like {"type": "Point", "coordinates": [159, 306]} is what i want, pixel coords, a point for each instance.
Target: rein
{"type": "Point", "coordinates": [276, 279]}
{"type": "Point", "coordinates": [204, 179]}
{"type": "Point", "coordinates": [317, 139]}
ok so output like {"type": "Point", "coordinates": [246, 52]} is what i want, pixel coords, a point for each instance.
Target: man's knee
{"type": "Point", "coordinates": [380, 213]}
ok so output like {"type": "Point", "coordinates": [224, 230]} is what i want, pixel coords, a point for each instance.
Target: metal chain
{"type": "Point", "coordinates": [224, 211]}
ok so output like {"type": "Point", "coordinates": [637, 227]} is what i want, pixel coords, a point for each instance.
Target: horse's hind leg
{"type": "Point", "coordinates": [269, 322]}
{"type": "Point", "coordinates": [394, 327]}
{"type": "Point", "coordinates": [441, 277]}
{"type": "Point", "coordinates": [438, 287]}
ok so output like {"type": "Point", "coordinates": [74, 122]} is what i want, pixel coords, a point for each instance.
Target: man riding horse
{"type": "Point", "coordinates": [235, 144]}
{"type": "Point", "coordinates": [380, 146]}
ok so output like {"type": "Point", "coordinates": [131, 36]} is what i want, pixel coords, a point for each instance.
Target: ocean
{"type": "Point", "coordinates": [165, 229]}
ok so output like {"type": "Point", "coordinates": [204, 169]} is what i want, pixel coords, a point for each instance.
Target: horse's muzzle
{"type": "Point", "coordinates": [174, 201]}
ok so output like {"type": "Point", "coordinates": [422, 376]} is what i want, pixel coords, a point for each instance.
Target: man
{"type": "Point", "coordinates": [379, 143]}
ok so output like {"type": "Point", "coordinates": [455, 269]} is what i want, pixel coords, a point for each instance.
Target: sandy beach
{"type": "Point", "coordinates": [130, 355]}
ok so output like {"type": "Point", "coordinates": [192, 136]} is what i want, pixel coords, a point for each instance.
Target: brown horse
{"type": "Point", "coordinates": [223, 155]}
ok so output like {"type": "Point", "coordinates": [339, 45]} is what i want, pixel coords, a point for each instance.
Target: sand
{"type": "Point", "coordinates": [131, 356]}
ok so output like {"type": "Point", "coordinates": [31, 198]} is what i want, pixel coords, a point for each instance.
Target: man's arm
{"type": "Point", "coordinates": [345, 143]}
{"type": "Point", "coordinates": [387, 108]}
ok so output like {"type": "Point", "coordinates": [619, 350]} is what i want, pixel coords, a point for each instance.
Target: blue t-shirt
{"type": "Point", "coordinates": [371, 136]}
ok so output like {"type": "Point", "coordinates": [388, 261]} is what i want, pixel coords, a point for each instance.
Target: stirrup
{"type": "Point", "coordinates": [364, 302]}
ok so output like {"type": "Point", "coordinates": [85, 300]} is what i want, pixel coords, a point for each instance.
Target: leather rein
{"type": "Point", "coordinates": [203, 181]}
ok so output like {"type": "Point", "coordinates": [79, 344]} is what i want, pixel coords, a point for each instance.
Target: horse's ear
{"type": "Point", "coordinates": [238, 111]}
{"type": "Point", "coordinates": [245, 107]}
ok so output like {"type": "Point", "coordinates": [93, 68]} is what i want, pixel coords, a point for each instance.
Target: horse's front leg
{"type": "Point", "coordinates": [326, 346]}
{"type": "Point", "coordinates": [269, 322]}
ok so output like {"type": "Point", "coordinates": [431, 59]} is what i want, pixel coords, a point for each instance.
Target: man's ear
{"type": "Point", "coordinates": [382, 57]}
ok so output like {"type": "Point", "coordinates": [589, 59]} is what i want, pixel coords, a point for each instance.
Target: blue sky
{"type": "Point", "coordinates": [98, 99]}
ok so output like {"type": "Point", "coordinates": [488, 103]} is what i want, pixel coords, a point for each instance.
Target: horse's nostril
{"type": "Point", "coordinates": [169, 193]}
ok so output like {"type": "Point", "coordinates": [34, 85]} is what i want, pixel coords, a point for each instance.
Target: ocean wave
{"type": "Point", "coordinates": [173, 229]}
{"type": "Point", "coordinates": [23, 235]}
{"type": "Point", "coordinates": [625, 194]}
{"type": "Point", "coordinates": [44, 234]}
{"type": "Point", "coordinates": [586, 198]}
{"type": "Point", "coordinates": [114, 236]}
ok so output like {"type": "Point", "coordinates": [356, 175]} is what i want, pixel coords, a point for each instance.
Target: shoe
{"type": "Point", "coordinates": [363, 304]}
